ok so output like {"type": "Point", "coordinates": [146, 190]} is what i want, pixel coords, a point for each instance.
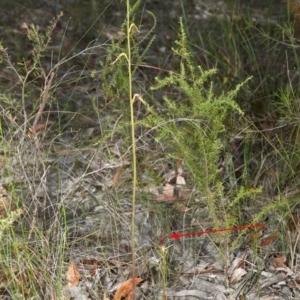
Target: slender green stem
{"type": "Point", "coordinates": [134, 175]}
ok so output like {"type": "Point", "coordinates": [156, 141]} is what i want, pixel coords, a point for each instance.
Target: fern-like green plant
{"type": "Point", "coordinates": [192, 127]}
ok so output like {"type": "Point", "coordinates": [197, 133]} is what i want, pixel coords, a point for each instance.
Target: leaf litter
{"type": "Point", "coordinates": [205, 275]}
{"type": "Point", "coordinates": [126, 289]}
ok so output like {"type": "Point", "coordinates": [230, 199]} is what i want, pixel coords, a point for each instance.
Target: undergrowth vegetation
{"type": "Point", "coordinates": [213, 139]}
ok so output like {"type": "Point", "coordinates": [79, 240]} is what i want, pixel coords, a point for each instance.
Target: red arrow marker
{"type": "Point", "coordinates": [177, 235]}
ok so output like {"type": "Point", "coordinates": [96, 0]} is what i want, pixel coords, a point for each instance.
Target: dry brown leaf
{"type": "Point", "coordinates": [179, 167]}
{"type": "Point", "coordinates": [126, 288]}
{"type": "Point", "coordinates": [297, 280]}
{"type": "Point", "coordinates": [239, 262]}
{"type": "Point", "coordinates": [4, 205]}
{"type": "Point", "coordinates": [293, 222]}
{"type": "Point", "coordinates": [269, 240]}
{"type": "Point", "coordinates": [116, 177]}
{"type": "Point", "coordinates": [91, 264]}
{"type": "Point", "coordinates": [163, 198]}
{"type": "Point", "coordinates": [168, 190]}
{"type": "Point", "coordinates": [237, 275]}
{"type": "Point", "coordinates": [255, 235]}
{"type": "Point", "coordinates": [90, 261]}
{"type": "Point", "coordinates": [180, 180]}
{"type": "Point", "coordinates": [40, 127]}
{"type": "Point", "coordinates": [167, 194]}
{"type": "Point", "coordinates": [3, 192]}
{"type": "Point", "coordinates": [93, 270]}
{"type": "Point", "coordinates": [73, 275]}
{"type": "Point", "coordinates": [279, 261]}
{"type": "Point", "coordinates": [171, 194]}
{"type": "Point", "coordinates": [4, 202]}
{"type": "Point", "coordinates": [266, 127]}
